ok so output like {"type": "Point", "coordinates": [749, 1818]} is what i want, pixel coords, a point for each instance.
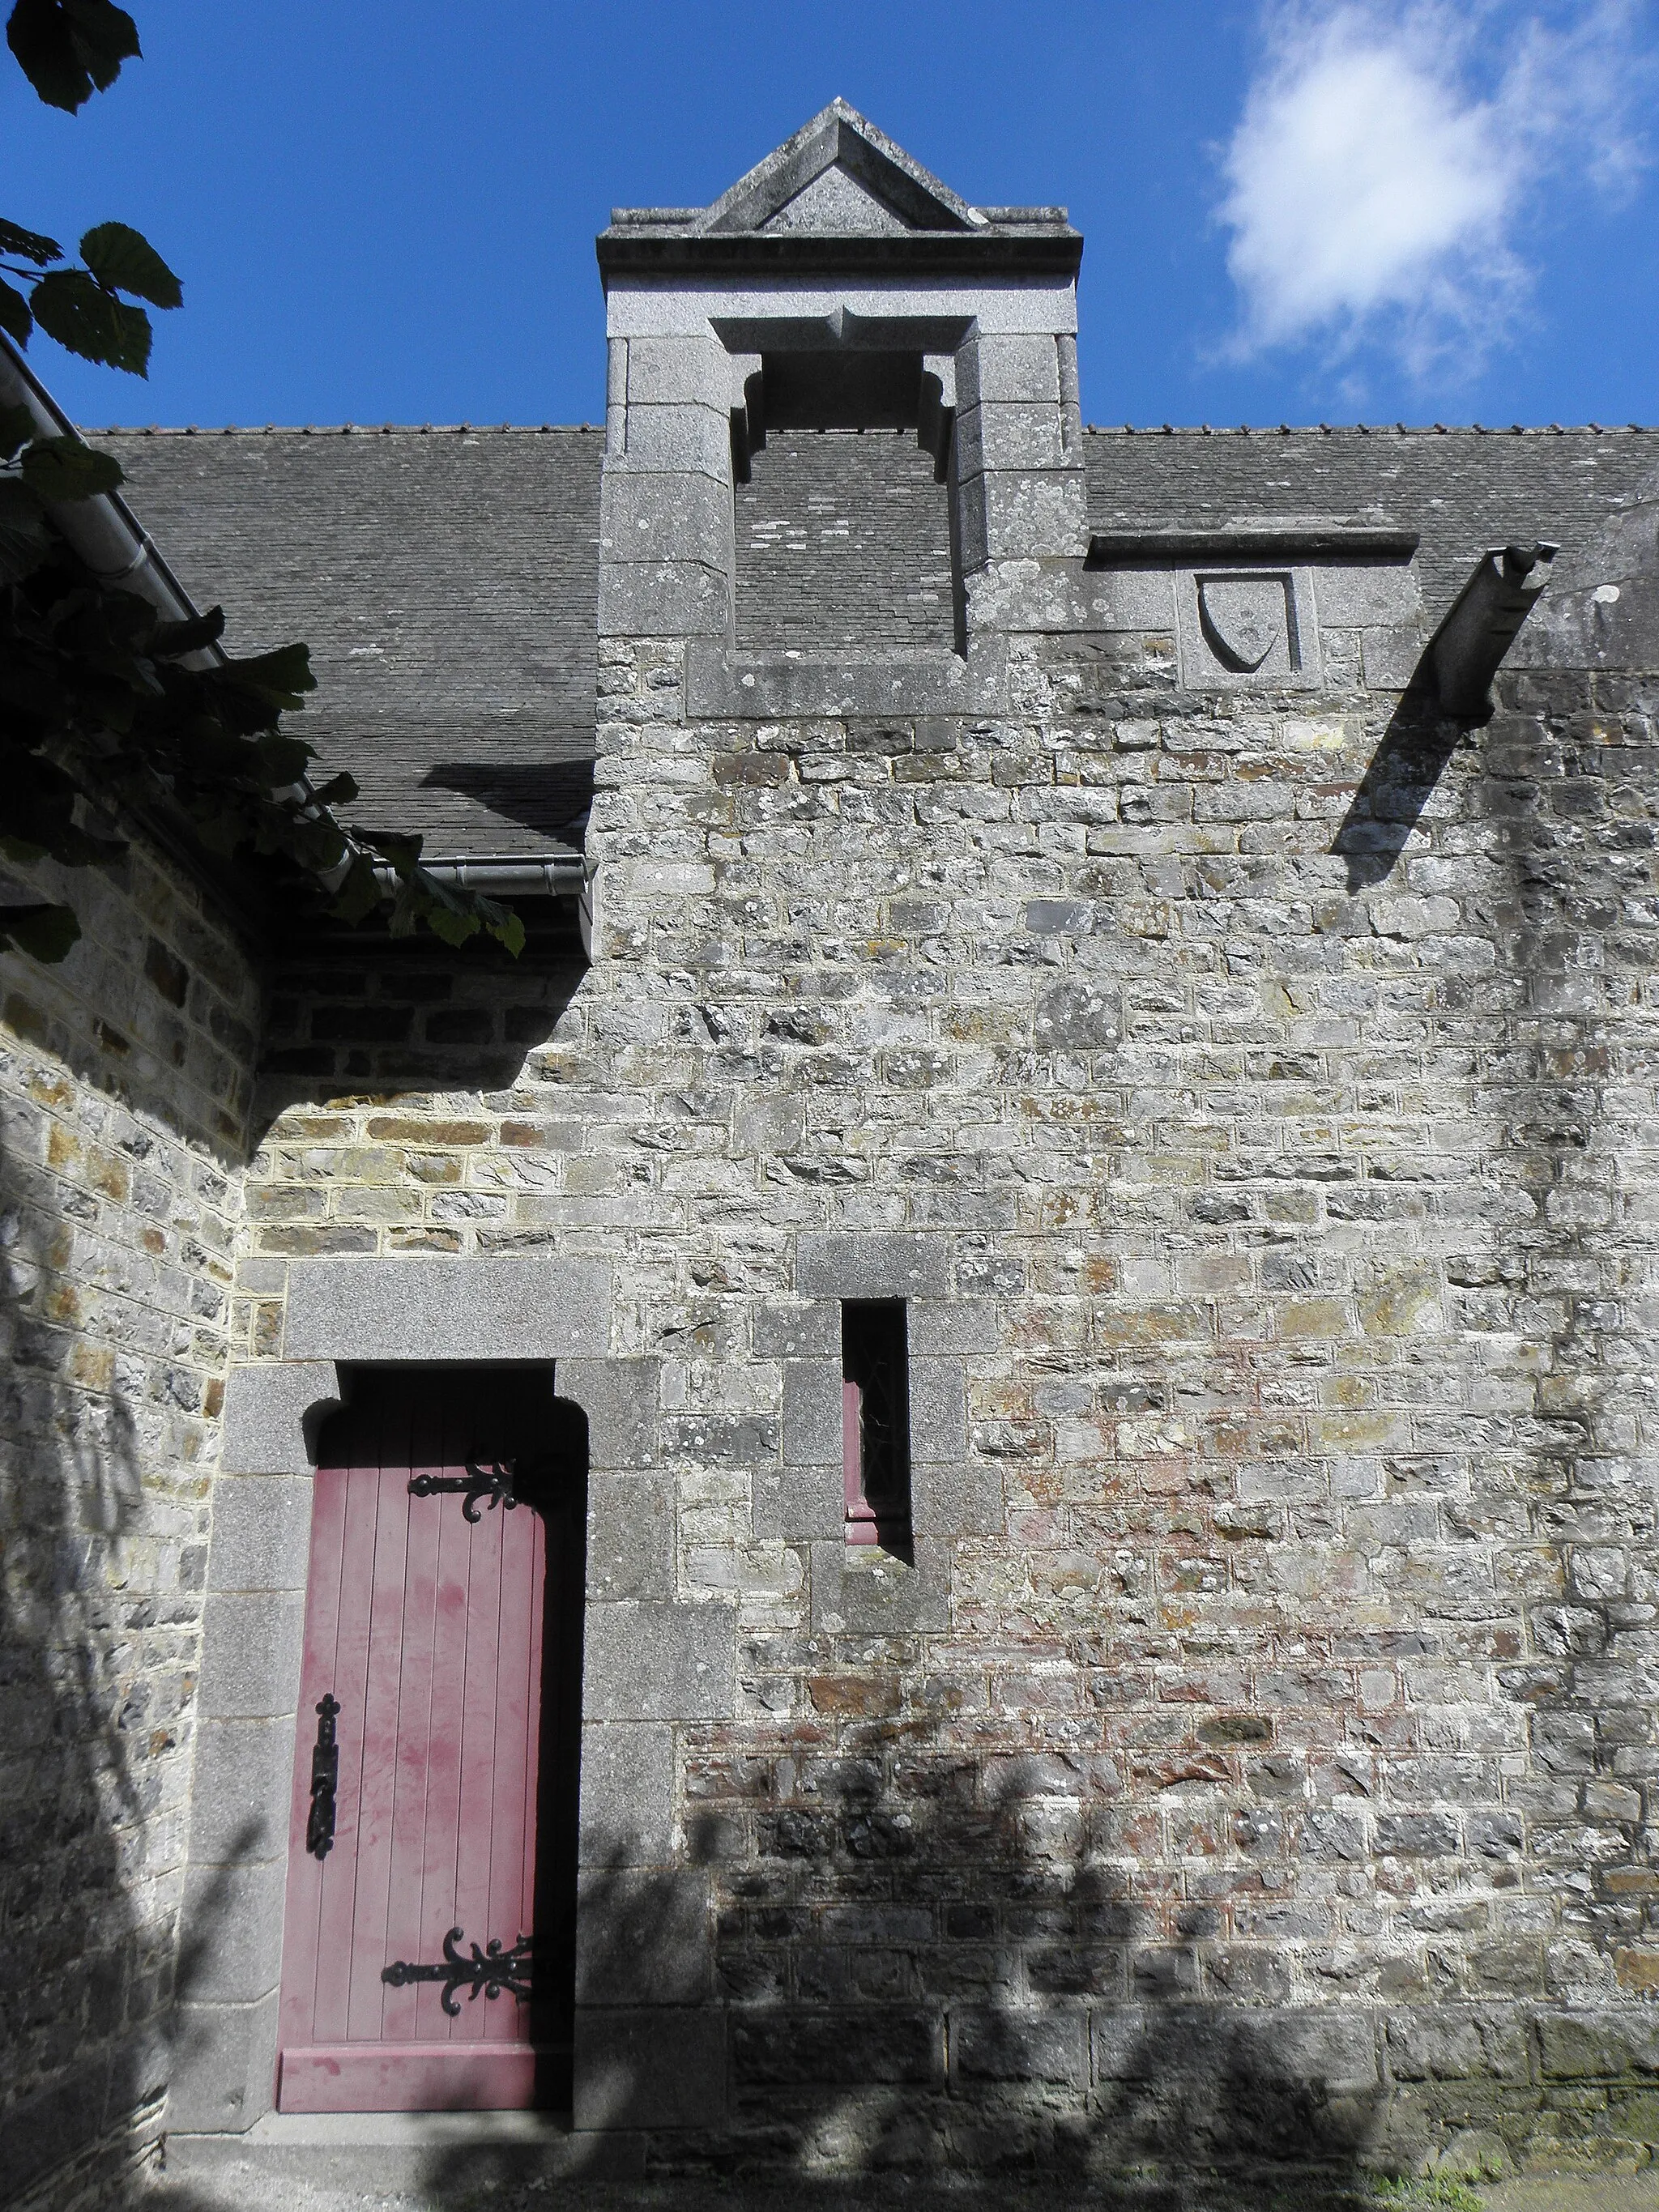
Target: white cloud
{"type": "Point", "coordinates": [1379, 191]}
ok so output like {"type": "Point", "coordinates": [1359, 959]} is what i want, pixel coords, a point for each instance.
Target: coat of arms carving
{"type": "Point", "coordinates": [1244, 618]}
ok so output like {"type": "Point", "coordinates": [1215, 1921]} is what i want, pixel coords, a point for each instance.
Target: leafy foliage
{"type": "Point", "coordinates": [123, 261]}
{"type": "Point", "coordinates": [99, 692]}
{"type": "Point", "coordinates": [69, 49]}
{"type": "Point", "coordinates": [87, 317]}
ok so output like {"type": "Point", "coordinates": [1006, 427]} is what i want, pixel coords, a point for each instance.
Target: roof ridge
{"type": "Point", "coordinates": [1092, 429]}
{"type": "Point", "coordinates": [1370, 429]}
{"type": "Point", "coordinates": [342, 429]}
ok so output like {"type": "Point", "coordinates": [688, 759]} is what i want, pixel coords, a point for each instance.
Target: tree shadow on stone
{"type": "Point", "coordinates": [940, 1972]}
{"type": "Point", "coordinates": [87, 1728]}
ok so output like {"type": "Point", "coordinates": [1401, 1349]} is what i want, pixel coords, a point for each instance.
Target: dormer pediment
{"type": "Point", "coordinates": [840, 197]}
{"type": "Point", "coordinates": [839, 176]}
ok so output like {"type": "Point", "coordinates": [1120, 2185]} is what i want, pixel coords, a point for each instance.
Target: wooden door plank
{"type": "Point", "coordinates": [369, 1933]}
{"type": "Point", "coordinates": [535, 1663]}
{"type": "Point", "coordinates": [438, 1647]}
{"type": "Point", "coordinates": [351, 1656]}
{"type": "Point", "coordinates": [479, 1752]}
{"type": "Point", "coordinates": [441, 1821]}
{"type": "Point", "coordinates": [400, 2012]}
{"type": "Point", "coordinates": [420, 2077]}
{"type": "Point", "coordinates": [303, 1902]}
{"type": "Point", "coordinates": [511, 1835]}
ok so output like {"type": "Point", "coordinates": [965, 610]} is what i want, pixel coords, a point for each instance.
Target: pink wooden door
{"type": "Point", "coordinates": [416, 1971]}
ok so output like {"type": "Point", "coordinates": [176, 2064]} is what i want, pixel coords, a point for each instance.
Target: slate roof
{"type": "Point", "coordinates": [447, 581]}
{"type": "Point", "coordinates": [1463, 490]}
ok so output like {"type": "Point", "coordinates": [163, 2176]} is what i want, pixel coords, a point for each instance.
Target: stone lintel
{"type": "Point", "coordinates": [435, 1308]}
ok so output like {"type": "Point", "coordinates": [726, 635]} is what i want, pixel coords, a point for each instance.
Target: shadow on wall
{"type": "Point", "coordinates": [87, 1728]}
{"type": "Point", "coordinates": [102, 1400]}
{"type": "Point", "coordinates": [913, 1978]}
{"type": "Point", "coordinates": [1567, 782]}
{"type": "Point", "coordinates": [935, 1970]}
{"type": "Point", "coordinates": [548, 797]}
{"type": "Point", "coordinates": [371, 1017]}
{"type": "Point", "coordinates": [1398, 785]}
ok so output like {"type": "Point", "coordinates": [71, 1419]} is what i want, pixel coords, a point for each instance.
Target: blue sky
{"type": "Point", "coordinates": [1294, 209]}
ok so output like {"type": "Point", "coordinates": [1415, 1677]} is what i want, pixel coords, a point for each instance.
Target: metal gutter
{"type": "Point", "coordinates": [570, 875]}
{"type": "Point", "coordinates": [511, 876]}
{"type": "Point", "coordinates": [103, 530]}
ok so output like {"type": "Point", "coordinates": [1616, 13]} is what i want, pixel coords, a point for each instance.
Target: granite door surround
{"type": "Point", "coordinates": [417, 1310]}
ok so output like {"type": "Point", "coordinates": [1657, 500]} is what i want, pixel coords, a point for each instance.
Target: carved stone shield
{"type": "Point", "coordinates": [1243, 618]}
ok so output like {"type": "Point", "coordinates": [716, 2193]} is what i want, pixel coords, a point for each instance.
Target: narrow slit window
{"type": "Point", "coordinates": [875, 1403]}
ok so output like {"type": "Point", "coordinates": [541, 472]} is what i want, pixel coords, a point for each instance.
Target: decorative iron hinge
{"type": "Point", "coordinates": [324, 1779]}
{"type": "Point", "coordinates": [494, 1483]}
{"type": "Point", "coordinates": [490, 1970]}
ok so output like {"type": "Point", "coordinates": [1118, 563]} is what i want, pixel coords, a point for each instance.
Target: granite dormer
{"type": "Point", "coordinates": [838, 286]}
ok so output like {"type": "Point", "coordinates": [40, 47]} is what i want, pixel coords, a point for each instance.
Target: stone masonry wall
{"type": "Point", "coordinates": [843, 538]}
{"type": "Point", "coordinates": [126, 1077]}
{"type": "Point", "coordinates": [1267, 1771]}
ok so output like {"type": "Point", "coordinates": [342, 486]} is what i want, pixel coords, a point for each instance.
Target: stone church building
{"type": "Point", "coordinates": [967, 1478]}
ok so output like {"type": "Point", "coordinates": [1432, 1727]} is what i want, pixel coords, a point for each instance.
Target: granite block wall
{"type": "Point", "coordinates": [126, 1082]}
{"type": "Point", "coordinates": [1267, 1082]}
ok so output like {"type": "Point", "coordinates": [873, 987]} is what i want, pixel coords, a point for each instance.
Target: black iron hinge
{"type": "Point", "coordinates": [491, 1971]}
{"type": "Point", "coordinates": [325, 1780]}
{"type": "Point", "coordinates": [494, 1483]}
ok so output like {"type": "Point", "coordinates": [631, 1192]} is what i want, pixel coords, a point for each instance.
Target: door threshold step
{"type": "Point", "coordinates": [393, 2154]}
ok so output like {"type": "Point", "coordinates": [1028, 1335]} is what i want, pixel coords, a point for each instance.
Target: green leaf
{"type": "Point", "coordinates": [67, 468]}
{"type": "Point", "coordinates": [45, 933]}
{"type": "Point", "coordinates": [28, 245]}
{"type": "Point", "coordinates": [402, 852]}
{"type": "Point", "coordinates": [172, 640]}
{"type": "Point", "coordinates": [17, 428]}
{"type": "Point", "coordinates": [68, 49]}
{"type": "Point", "coordinates": [338, 791]}
{"type": "Point", "coordinates": [123, 259]}
{"type": "Point", "coordinates": [39, 34]}
{"type": "Point", "coordinates": [86, 320]}
{"type": "Point", "coordinates": [25, 538]}
{"type": "Point", "coordinates": [281, 676]}
{"type": "Point", "coordinates": [40, 801]}
{"type": "Point", "coordinates": [359, 894]}
{"type": "Point", "coordinates": [448, 926]}
{"type": "Point", "coordinates": [15, 320]}
{"type": "Point", "coordinates": [508, 932]}
{"type": "Point", "coordinates": [312, 840]}
{"type": "Point", "coordinates": [283, 761]}
{"type": "Point", "coordinates": [106, 36]}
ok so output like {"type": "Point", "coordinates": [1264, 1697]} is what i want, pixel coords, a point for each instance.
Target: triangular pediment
{"type": "Point", "coordinates": [839, 177]}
